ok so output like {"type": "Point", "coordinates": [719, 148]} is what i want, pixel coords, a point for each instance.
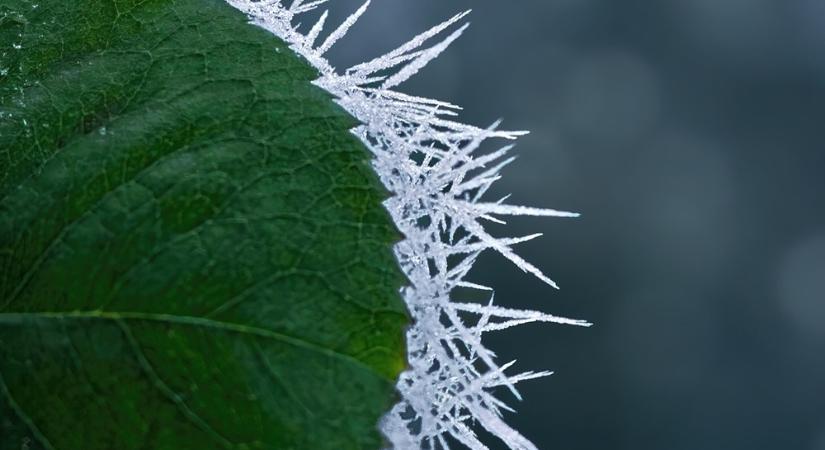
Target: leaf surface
{"type": "Point", "coordinates": [193, 251]}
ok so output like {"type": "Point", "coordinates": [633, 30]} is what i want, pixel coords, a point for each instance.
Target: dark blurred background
{"type": "Point", "coordinates": [691, 136]}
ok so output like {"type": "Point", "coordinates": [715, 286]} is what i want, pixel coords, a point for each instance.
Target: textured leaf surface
{"type": "Point", "coordinates": [193, 253]}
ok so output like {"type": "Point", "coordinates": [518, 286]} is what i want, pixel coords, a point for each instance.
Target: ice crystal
{"type": "Point", "coordinates": [437, 174]}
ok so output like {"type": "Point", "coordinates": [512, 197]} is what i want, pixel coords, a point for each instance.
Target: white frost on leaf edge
{"type": "Point", "coordinates": [433, 167]}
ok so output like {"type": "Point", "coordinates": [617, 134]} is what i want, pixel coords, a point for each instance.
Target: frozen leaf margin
{"type": "Point", "coordinates": [437, 174]}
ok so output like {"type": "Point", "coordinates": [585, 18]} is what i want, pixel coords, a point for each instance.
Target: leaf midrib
{"type": "Point", "coordinates": [118, 316]}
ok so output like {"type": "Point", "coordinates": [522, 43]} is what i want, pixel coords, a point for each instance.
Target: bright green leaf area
{"type": "Point", "coordinates": [193, 250]}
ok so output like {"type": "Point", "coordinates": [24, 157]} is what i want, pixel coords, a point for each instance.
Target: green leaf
{"type": "Point", "coordinates": [193, 251]}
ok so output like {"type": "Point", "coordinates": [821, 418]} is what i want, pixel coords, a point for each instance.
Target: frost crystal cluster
{"type": "Point", "coordinates": [437, 175]}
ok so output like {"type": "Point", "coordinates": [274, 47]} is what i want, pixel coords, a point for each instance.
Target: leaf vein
{"type": "Point", "coordinates": [195, 322]}
{"type": "Point", "coordinates": [23, 416]}
{"type": "Point", "coordinates": [167, 391]}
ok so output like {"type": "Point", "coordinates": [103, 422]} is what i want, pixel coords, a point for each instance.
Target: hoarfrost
{"type": "Point", "coordinates": [437, 175]}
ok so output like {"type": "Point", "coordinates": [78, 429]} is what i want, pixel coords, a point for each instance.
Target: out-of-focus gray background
{"type": "Point", "coordinates": [691, 136]}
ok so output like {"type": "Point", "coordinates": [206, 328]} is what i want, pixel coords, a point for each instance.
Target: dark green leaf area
{"type": "Point", "coordinates": [193, 250]}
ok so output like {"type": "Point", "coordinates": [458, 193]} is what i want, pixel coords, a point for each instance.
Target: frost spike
{"type": "Point", "coordinates": [296, 7]}
{"type": "Point", "coordinates": [342, 29]}
{"type": "Point", "coordinates": [417, 64]}
{"type": "Point", "coordinates": [309, 41]}
{"type": "Point", "coordinates": [531, 316]}
{"type": "Point", "coordinates": [413, 43]}
{"type": "Point", "coordinates": [520, 210]}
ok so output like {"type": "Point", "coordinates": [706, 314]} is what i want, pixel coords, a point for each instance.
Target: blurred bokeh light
{"type": "Point", "coordinates": [691, 136]}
